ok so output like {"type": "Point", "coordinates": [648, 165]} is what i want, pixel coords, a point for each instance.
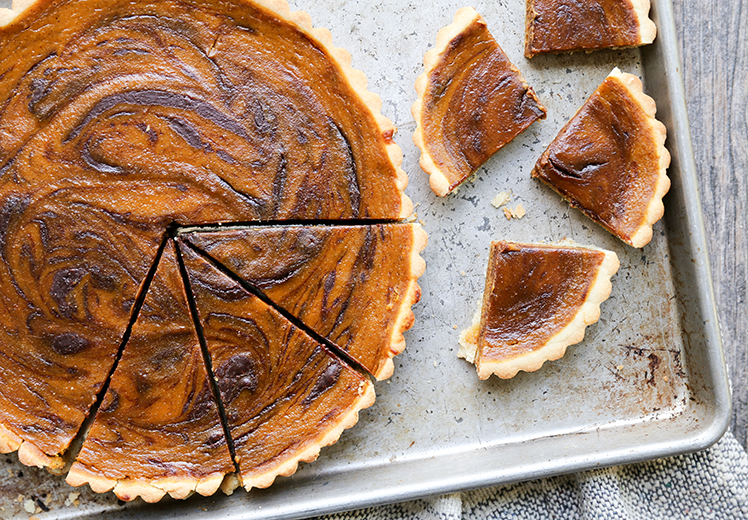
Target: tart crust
{"type": "Point", "coordinates": [30, 453]}
{"type": "Point", "coordinates": [555, 346]}
{"type": "Point", "coordinates": [443, 175]}
{"type": "Point", "coordinates": [651, 135]}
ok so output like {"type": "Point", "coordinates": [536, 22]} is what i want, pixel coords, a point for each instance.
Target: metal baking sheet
{"type": "Point", "coordinates": [648, 380]}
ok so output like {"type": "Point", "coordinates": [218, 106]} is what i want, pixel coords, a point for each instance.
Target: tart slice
{"type": "Point", "coordinates": [537, 301]}
{"type": "Point", "coordinates": [158, 429]}
{"type": "Point", "coordinates": [571, 25]}
{"type": "Point", "coordinates": [285, 396]}
{"type": "Point", "coordinates": [353, 285]}
{"type": "Point", "coordinates": [610, 160]}
{"type": "Point", "coordinates": [471, 102]}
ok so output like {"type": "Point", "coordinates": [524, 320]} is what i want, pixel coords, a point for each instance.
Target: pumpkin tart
{"type": "Point", "coordinates": [586, 25]}
{"type": "Point", "coordinates": [610, 160]}
{"type": "Point", "coordinates": [285, 395]}
{"type": "Point", "coordinates": [537, 301]}
{"type": "Point", "coordinates": [353, 285]}
{"type": "Point", "coordinates": [158, 429]}
{"type": "Point", "coordinates": [472, 101]}
{"type": "Point", "coordinates": [121, 120]}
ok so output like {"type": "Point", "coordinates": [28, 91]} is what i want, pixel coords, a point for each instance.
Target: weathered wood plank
{"type": "Point", "coordinates": [714, 46]}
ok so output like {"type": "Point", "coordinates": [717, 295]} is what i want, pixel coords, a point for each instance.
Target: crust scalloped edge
{"type": "Point", "coordinates": [556, 345]}
{"type": "Point", "coordinates": [28, 453]}
{"type": "Point", "coordinates": [309, 454]}
{"type": "Point", "coordinates": [463, 18]}
{"type": "Point", "coordinates": [405, 317]}
{"type": "Point", "coordinates": [358, 82]}
{"type": "Point", "coordinates": [151, 490]}
{"type": "Point", "coordinates": [655, 209]}
{"type": "Point", "coordinates": [647, 28]}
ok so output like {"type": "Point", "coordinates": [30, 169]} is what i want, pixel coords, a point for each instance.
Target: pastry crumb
{"type": "Point", "coordinates": [72, 498]}
{"type": "Point", "coordinates": [29, 506]}
{"type": "Point", "coordinates": [666, 379]}
{"type": "Point", "coordinates": [501, 199]}
{"type": "Point", "coordinates": [463, 273]}
{"type": "Point", "coordinates": [421, 222]}
{"type": "Point", "coordinates": [454, 327]}
{"type": "Point", "coordinates": [516, 213]}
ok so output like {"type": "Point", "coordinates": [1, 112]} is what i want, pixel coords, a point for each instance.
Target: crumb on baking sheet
{"type": "Point", "coordinates": [501, 199]}
{"type": "Point", "coordinates": [516, 213]}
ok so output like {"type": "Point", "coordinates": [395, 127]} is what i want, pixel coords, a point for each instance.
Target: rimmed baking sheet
{"type": "Point", "coordinates": [648, 380]}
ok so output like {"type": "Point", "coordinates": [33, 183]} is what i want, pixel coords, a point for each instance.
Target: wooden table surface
{"type": "Point", "coordinates": [713, 37]}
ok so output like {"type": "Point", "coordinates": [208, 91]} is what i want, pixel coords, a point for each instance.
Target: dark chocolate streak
{"type": "Point", "coordinates": [158, 98]}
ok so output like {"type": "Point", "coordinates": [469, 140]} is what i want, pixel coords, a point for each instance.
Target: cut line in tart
{"type": "Point", "coordinates": [610, 161]}
{"type": "Point", "coordinates": [120, 124]}
{"type": "Point", "coordinates": [158, 429]}
{"type": "Point", "coordinates": [553, 26]}
{"type": "Point", "coordinates": [329, 277]}
{"type": "Point", "coordinates": [538, 300]}
{"type": "Point", "coordinates": [284, 394]}
{"type": "Point", "coordinates": [472, 101]}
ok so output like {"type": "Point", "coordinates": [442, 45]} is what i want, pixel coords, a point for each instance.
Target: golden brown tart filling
{"type": "Point", "coordinates": [576, 25]}
{"type": "Point", "coordinates": [353, 285]}
{"type": "Point", "coordinates": [609, 160]}
{"type": "Point", "coordinates": [119, 119]}
{"type": "Point", "coordinates": [472, 102]}
{"type": "Point", "coordinates": [537, 301]}
{"type": "Point", "coordinates": [158, 428]}
{"type": "Point", "coordinates": [284, 394]}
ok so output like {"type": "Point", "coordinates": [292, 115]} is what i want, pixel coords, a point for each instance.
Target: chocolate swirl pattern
{"type": "Point", "coordinates": [353, 285]}
{"type": "Point", "coordinates": [122, 119]}
{"type": "Point", "coordinates": [158, 429]}
{"type": "Point", "coordinates": [285, 395]}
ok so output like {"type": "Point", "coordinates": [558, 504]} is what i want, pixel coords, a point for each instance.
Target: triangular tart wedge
{"type": "Point", "coordinates": [472, 101]}
{"type": "Point", "coordinates": [284, 394]}
{"type": "Point", "coordinates": [158, 429]}
{"type": "Point", "coordinates": [239, 103]}
{"type": "Point", "coordinates": [573, 25]}
{"type": "Point", "coordinates": [610, 160]}
{"type": "Point", "coordinates": [537, 301]}
{"type": "Point", "coordinates": [353, 285]}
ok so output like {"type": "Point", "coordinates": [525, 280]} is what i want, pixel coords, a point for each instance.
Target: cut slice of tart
{"type": "Point", "coordinates": [610, 160]}
{"type": "Point", "coordinates": [353, 285]}
{"type": "Point", "coordinates": [537, 301]}
{"type": "Point", "coordinates": [285, 396]}
{"type": "Point", "coordinates": [574, 25]}
{"type": "Point", "coordinates": [158, 429]}
{"type": "Point", "coordinates": [471, 102]}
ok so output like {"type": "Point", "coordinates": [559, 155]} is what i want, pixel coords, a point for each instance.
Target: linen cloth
{"type": "Point", "coordinates": [708, 484]}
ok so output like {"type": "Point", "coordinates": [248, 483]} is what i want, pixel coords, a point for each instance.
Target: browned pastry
{"type": "Point", "coordinates": [158, 429]}
{"type": "Point", "coordinates": [586, 25]}
{"type": "Point", "coordinates": [353, 285]}
{"type": "Point", "coordinates": [537, 301]}
{"type": "Point", "coordinates": [284, 394]}
{"type": "Point", "coordinates": [610, 160]}
{"type": "Point", "coordinates": [121, 118]}
{"type": "Point", "coordinates": [471, 102]}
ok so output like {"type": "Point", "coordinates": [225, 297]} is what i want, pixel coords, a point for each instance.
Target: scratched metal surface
{"type": "Point", "coordinates": [648, 379]}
